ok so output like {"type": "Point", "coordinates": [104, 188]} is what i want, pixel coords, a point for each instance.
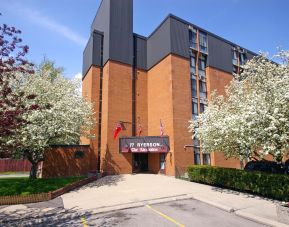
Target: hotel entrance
{"type": "Point", "coordinates": [146, 149]}
{"type": "Point", "coordinates": [140, 162]}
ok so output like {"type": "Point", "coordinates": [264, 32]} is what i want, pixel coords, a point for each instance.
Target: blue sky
{"type": "Point", "coordinates": [59, 29]}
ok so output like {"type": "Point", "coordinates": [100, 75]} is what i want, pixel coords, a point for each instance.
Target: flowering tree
{"type": "Point", "coordinates": [12, 61]}
{"type": "Point", "coordinates": [62, 117]}
{"type": "Point", "coordinates": [252, 120]}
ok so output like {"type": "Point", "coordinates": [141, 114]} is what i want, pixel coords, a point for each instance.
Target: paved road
{"type": "Point", "coordinates": [176, 213]}
{"type": "Point", "coordinates": [179, 213]}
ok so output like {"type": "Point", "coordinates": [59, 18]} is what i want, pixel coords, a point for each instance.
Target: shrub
{"type": "Point", "coordinates": [269, 185]}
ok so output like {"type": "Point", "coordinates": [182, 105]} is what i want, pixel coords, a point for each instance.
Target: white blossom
{"type": "Point", "coordinates": [252, 120]}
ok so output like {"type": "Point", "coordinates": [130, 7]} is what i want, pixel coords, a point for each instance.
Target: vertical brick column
{"type": "Point", "coordinates": [169, 99]}
{"type": "Point", "coordinates": [90, 91]}
{"type": "Point", "coordinates": [116, 106]}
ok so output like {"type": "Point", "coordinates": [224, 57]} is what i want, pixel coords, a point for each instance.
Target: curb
{"type": "Point", "coordinates": [260, 220]}
{"type": "Point", "coordinates": [139, 204]}
{"type": "Point", "coordinates": [242, 214]}
{"type": "Point", "coordinates": [218, 205]}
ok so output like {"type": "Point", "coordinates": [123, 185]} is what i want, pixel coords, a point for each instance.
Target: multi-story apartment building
{"type": "Point", "coordinates": [162, 80]}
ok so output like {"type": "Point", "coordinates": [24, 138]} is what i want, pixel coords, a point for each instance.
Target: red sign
{"type": "Point", "coordinates": [147, 144]}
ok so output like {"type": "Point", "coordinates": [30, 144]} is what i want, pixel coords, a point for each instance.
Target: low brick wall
{"type": "Point", "coordinates": [22, 199]}
{"type": "Point", "coordinates": [62, 161]}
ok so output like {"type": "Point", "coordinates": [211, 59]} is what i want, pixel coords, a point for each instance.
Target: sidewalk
{"type": "Point", "coordinates": [127, 191]}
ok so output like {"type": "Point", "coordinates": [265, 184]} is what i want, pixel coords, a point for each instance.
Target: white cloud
{"type": "Point", "coordinates": [46, 22]}
{"type": "Point", "coordinates": [58, 28]}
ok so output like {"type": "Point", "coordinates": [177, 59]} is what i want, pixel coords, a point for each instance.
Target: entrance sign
{"type": "Point", "coordinates": [146, 144]}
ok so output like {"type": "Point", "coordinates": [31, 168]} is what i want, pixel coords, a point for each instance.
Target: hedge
{"type": "Point", "coordinates": [274, 186]}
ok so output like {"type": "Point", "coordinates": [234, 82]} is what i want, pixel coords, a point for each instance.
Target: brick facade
{"type": "Point", "coordinates": [61, 161]}
{"type": "Point", "coordinates": [161, 93]}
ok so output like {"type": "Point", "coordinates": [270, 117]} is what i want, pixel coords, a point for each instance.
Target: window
{"type": "Point", "coordinates": [193, 61]}
{"type": "Point", "coordinates": [235, 69]}
{"type": "Point", "coordinates": [202, 107]}
{"type": "Point", "coordinates": [162, 161]}
{"type": "Point", "coordinates": [197, 157]}
{"type": "Point", "coordinates": [202, 66]}
{"type": "Point", "coordinates": [203, 42]}
{"type": "Point", "coordinates": [194, 85]}
{"type": "Point", "coordinates": [203, 89]}
{"type": "Point", "coordinates": [196, 142]}
{"type": "Point", "coordinates": [235, 57]}
{"type": "Point", "coordinates": [206, 159]}
{"type": "Point", "coordinates": [195, 108]}
{"type": "Point", "coordinates": [243, 58]}
{"type": "Point", "coordinates": [193, 38]}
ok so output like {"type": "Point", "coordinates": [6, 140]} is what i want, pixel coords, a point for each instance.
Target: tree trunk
{"type": "Point", "coordinates": [33, 170]}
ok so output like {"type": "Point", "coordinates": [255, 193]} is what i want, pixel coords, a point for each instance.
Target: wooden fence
{"type": "Point", "coordinates": [12, 165]}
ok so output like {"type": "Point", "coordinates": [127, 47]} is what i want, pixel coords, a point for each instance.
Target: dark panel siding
{"type": "Point", "coordinates": [220, 54]}
{"type": "Point", "coordinates": [141, 53]}
{"type": "Point", "coordinates": [159, 44]}
{"type": "Point", "coordinates": [87, 56]}
{"type": "Point", "coordinates": [96, 55]}
{"type": "Point", "coordinates": [121, 31]}
{"type": "Point", "coordinates": [101, 23]}
{"type": "Point", "coordinates": [179, 38]}
{"type": "Point", "coordinates": [92, 52]}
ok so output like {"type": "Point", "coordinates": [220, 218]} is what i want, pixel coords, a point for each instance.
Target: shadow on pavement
{"type": "Point", "coordinates": [45, 217]}
{"type": "Point", "coordinates": [105, 181]}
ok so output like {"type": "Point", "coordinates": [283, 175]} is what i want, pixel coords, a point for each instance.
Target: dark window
{"type": "Point", "coordinates": [162, 161]}
{"type": "Point", "coordinates": [195, 108]}
{"type": "Point", "coordinates": [193, 38]}
{"type": "Point", "coordinates": [197, 157]}
{"type": "Point", "coordinates": [235, 69]}
{"type": "Point", "coordinates": [196, 142]}
{"type": "Point", "coordinates": [203, 89]}
{"type": "Point", "coordinates": [193, 62]}
{"type": "Point", "coordinates": [203, 42]}
{"type": "Point", "coordinates": [78, 154]}
{"type": "Point", "coordinates": [202, 66]}
{"type": "Point", "coordinates": [202, 107]}
{"type": "Point", "coordinates": [235, 57]}
{"type": "Point", "coordinates": [243, 58]}
{"type": "Point", "coordinates": [194, 85]}
{"type": "Point", "coordinates": [206, 159]}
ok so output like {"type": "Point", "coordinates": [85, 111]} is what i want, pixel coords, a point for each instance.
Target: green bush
{"type": "Point", "coordinates": [274, 186]}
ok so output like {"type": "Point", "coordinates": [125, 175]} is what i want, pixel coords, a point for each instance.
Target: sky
{"type": "Point", "coordinates": [59, 29]}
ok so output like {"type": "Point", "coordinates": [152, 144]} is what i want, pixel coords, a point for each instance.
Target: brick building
{"type": "Point", "coordinates": [166, 78]}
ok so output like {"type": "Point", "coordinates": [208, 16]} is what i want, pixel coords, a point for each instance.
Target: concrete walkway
{"type": "Point", "coordinates": [13, 175]}
{"type": "Point", "coordinates": [125, 191]}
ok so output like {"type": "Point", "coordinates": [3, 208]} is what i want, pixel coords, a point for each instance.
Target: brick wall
{"type": "Point", "coordinates": [12, 165]}
{"type": "Point", "coordinates": [61, 162]}
{"type": "Point", "coordinates": [217, 80]}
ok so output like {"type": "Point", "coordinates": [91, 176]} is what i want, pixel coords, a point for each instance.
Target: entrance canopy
{"type": "Point", "coordinates": [146, 144]}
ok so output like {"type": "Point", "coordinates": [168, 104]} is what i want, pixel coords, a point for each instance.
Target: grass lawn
{"type": "Point", "coordinates": [24, 186]}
